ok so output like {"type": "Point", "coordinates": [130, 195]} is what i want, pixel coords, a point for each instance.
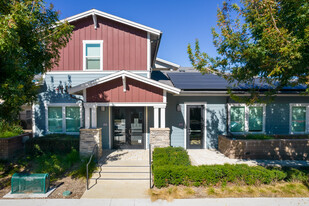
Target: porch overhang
{"type": "Point", "coordinates": [123, 74]}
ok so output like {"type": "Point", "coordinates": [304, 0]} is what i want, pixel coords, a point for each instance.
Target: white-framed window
{"type": "Point", "coordinates": [92, 55]}
{"type": "Point", "coordinates": [244, 118]}
{"type": "Point", "coordinates": [63, 118]}
{"type": "Point", "coordinates": [299, 118]}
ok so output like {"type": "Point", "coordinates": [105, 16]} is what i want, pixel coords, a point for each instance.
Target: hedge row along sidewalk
{"type": "Point", "coordinates": [171, 166]}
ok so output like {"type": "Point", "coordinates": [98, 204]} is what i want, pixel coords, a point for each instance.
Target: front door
{"type": "Point", "coordinates": [128, 128]}
{"type": "Point", "coordinates": [195, 126]}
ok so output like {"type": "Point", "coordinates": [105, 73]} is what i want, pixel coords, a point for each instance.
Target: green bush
{"type": "Point", "coordinates": [9, 130]}
{"type": "Point", "coordinates": [214, 174]}
{"type": "Point", "coordinates": [171, 166]}
{"type": "Point", "coordinates": [56, 164]}
{"type": "Point", "coordinates": [54, 143]}
{"type": "Point", "coordinates": [170, 156]}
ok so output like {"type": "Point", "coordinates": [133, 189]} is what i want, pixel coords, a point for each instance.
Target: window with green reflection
{"type": "Point", "coordinates": [237, 119]}
{"type": "Point", "coordinates": [255, 119]}
{"type": "Point", "coordinates": [72, 119]}
{"type": "Point", "coordinates": [55, 119]}
{"type": "Point", "coordinates": [298, 119]}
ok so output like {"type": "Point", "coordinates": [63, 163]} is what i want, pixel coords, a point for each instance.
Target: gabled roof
{"type": "Point", "coordinates": [114, 18]}
{"type": "Point", "coordinates": [121, 74]}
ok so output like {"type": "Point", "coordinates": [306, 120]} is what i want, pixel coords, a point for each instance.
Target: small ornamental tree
{"type": "Point", "coordinates": [30, 38]}
{"type": "Point", "coordinates": [259, 41]}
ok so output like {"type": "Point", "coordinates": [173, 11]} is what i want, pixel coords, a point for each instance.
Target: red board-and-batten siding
{"type": "Point", "coordinates": [124, 47]}
{"type": "Point", "coordinates": [112, 91]}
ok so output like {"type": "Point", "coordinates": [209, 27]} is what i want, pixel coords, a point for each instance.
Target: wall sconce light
{"type": "Point", "coordinates": [103, 109]}
{"type": "Point", "coordinates": [178, 107]}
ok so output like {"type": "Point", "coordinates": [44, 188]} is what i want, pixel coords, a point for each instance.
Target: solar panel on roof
{"type": "Point", "coordinates": [198, 81]}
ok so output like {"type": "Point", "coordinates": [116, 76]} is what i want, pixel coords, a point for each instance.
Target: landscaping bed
{"type": "Point", "coordinates": [174, 176]}
{"type": "Point", "coordinates": [265, 147]}
{"type": "Point", "coordinates": [66, 169]}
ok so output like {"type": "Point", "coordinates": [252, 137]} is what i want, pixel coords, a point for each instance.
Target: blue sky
{"type": "Point", "coordinates": [181, 21]}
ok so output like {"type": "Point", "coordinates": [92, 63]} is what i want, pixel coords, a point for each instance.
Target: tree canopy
{"type": "Point", "coordinates": [266, 40]}
{"type": "Point", "coordinates": [30, 39]}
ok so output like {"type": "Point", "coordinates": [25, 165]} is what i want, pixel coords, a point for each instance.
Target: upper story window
{"type": "Point", "coordinates": [247, 118]}
{"type": "Point", "coordinates": [93, 55]}
{"type": "Point", "coordinates": [298, 118]}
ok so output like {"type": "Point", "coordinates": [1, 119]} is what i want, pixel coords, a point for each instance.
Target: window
{"type": "Point", "coordinates": [93, 55]}
{"type": "Point", "coordinates": [63, 118]}
{"type": "Point", "coordinates": [298, 118]}
{"type": "Point", "coordinates": [55, 119]}
{"type": "Point", "coordinates": [244, 118]}
{"type": "Point", "coordinates": [237, 119]}
{"type": "Point", "coordinates": [72, 118]}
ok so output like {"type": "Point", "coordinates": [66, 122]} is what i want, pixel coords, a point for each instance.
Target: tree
{"type": "Point", "coordinates": [259, 42]}
{"type": "Point", "coordinates": [30, 38]}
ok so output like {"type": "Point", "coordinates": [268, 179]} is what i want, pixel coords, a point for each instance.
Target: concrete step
{"type": "Point", "coordinates": [124, 175]}
{"type": "Point", "coordinates": [122, 169]}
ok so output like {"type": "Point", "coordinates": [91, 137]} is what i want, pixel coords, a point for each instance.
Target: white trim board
{"type": "Point", "coordinates": [111, 17]}
{"type": "Point", "coordinates": [126, 74]}
{"type": "Point", "coordinates": [167, 62]}
{"type": "Point", "coordinates": [96, 72]}
{"type": "Point", "coordinates": [307, 117]}
{"type": "Point", "coordinates": [185, 121]}
{"type": "Point", "coordinates": [126, 104]}
{"type": "Point", "coordinates": [246, 129]}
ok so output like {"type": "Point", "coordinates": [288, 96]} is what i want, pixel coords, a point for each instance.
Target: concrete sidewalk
{"type": "Point", "coordinates": [211, 157]}
{"type": "Point", "coordinates": [145, 202]}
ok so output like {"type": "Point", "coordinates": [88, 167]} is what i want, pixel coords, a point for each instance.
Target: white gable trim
{"type": "Point", "coordinates": [167, 62]}
{"type": "Point", "coordinates": [114, 18]}
{"type": "Point", "coordinates": [122, 74]}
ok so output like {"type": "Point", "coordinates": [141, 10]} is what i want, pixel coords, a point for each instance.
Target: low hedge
{"type": "Point", "coordinates": [170, 156]}
{"type": "Point", "coordinates": [171, 166]}
{"type": "Point", "coordinates": [54, 143]}
{"type": "Point", "coordinates": [214, 174]}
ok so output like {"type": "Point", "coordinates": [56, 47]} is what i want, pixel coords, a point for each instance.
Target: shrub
{"type": "Point", "coordinates": [170, 156]}
{"type": "Point", "coordinates": [214, 174]}
{"type": "Point", "coordinates": [55, 144]}
{"type": "Point", "coordinates": [56, 164]}
{"type": "Point", "coordinates": [9, 130]}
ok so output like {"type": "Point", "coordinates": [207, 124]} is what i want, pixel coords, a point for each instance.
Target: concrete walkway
{"type": "Point", "coordinates": [211, 157]}
{"type": "Point", "coordinates": [122, 174]}
{"type": "Point", "coordinates": [146, 202]}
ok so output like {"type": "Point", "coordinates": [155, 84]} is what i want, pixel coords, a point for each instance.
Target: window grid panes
{"type": "Point", "coordinates": [93, 55]}
{"type": "Point", "coordinates": [237, 119]}
{"type": "Point", "coordinates": [55, 119]}
{"type": "Point", "coordinates": [298, 119]}
{"type": "Point", "coordinates": [255, 119]}
{"type": "Point", "coordinates": [72, 118]}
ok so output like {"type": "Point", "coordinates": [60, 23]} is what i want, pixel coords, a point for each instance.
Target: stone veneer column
{"type": "Point", "coordinates": [87, 139]}
{"type": "Point", "coordinates": [160, 137]}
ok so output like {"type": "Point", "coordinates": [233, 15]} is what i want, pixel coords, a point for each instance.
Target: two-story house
{"type": "Point", "coordinates": [110, 82]}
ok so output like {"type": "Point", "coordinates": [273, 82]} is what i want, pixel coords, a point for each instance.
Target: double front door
{"type": "Point", "coordinates": [128, 132]}
{"type": "Point", "coordinates": [195, 126]}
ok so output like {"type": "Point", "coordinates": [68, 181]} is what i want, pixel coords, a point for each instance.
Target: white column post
{"type": "Point", "coordinates": [162, 117]}
{"type": "Point", "coordinates": [87, 117]}
{"type": "Point", "coordinates": [94, 116]}
{"type": "Point", "coordinates": [156, 117]}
